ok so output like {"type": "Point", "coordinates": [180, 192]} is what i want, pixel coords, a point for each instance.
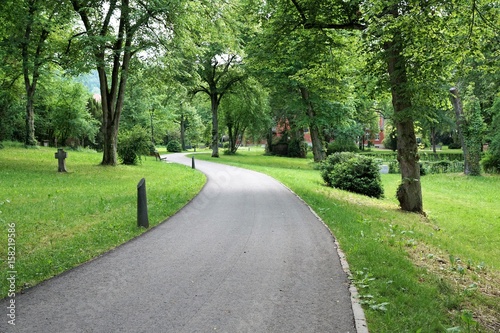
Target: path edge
{"type": "Point", "coordinates": [359, 314]}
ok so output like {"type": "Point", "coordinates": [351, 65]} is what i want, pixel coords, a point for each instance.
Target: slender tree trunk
{"type": "Point", "coordinates": [183, 132]}
{"type": "Point", "coordinates": [433, 138]}
{"type": "Point", "coordinates": [232, 140]}
{"type": "Point", "coordinates": [409, 193]}
{"type": "Point", "coordinates": [31, 84]}
{"type": "Point", "coordinates": [456, 101]}
{"type": "Point", "coordinates": [269, 140]}
{"type": "Point", "coordinates": [317, 145]}
{"type": "Point", "coordinates": [215, 125]}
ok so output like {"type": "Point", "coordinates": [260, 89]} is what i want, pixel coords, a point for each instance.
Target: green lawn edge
{"type": "Point", "coordinates": [65, 219]}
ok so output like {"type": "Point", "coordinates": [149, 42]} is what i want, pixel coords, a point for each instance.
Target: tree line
{"type": "Point", "coordinates": [246, 68]}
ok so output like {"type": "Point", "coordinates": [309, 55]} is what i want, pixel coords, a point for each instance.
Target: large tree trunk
{"type": "Point", "coordinates": [317, 145]}
{"type": "Point", "coordinates": [433, 139]}
{"type": "Point", "coordinates": [409, 193]}
{"type": "Point", "coordinates": [110, 133]}
{"type": "Point", "coordinates": [30, 139]}
{"type": "Point", "coordinates": [215, 125]}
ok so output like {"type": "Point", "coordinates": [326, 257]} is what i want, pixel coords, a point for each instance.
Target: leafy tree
{"type": "Point", "coordinates": [113, 32]}
{"type": "Point", "coordinates": [491, 162]}
{"type": "Point", "coordinates": [36, 29]}
{"type": "Point", "coordinates": [307, 72]}
{"type": "Point", "coordinates": [471, 129]}
{"type": "Point", "coordinates": [219, 72]}
{"type": "Point", "coordinates": [247, 107]}
{"type": "Point", "coordinates": [400, 35]}
{"type": "Point", "coordinates": [66, 111]}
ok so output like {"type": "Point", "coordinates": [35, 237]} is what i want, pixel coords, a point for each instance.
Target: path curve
{"type": "Point", "coordinates": [246, 255]}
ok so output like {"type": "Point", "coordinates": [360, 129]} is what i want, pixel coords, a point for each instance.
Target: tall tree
{"type": "Point", "coordinates": [246, 108]}
{"type": "Point", "coordinates": [115, 31]}
{"type": "Point", "coordinates": [35, 26]}
{"type": "Point", "coordinates": [219, 72]}
{"type": "Point", "coordinates": [399, 34]}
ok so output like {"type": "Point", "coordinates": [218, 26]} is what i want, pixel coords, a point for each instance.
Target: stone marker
{"type": "Point", "coordinates": [142, 205]}
{"type": "Point", "coordinates": [61, 156]}
{"type": "Point", "coordinates": [384, 169]}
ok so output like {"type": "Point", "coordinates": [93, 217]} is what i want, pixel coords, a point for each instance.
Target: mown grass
{"type": "Point", "coordinates": [65, 219]}
{"type": "Point", "coordinates": [414, 273]}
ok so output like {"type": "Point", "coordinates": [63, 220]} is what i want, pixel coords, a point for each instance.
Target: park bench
{"type": "Point", "coordinates": [158, 157]}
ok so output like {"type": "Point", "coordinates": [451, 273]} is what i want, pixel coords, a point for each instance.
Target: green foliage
{"type": "Point", "coordinates": [132, 144]}
{"type": "Point", "coordinates": [173, 146]}
{"type": "Point", "coordinates": [297, 148]}
{"type": "Point", "coordinates": [391, 139]}
{"type": "Point", "coordinates": [354, 173]}
{"type": "Point", "coordinates": [473, 131]}
{"type": "Point", "coordinates": [328, 165]}
{"type": "Point", "coordinates": [66, 113]}
{"type": "Point", "coordinates": [454, 145]}
{"type": "Point", "coordinates": [491, 160]}
{"type": "Point", "coordinates": [341, 145]}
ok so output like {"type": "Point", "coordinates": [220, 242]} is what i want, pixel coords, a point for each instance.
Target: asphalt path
{"type": "Point", "coordinates": [246, 255]}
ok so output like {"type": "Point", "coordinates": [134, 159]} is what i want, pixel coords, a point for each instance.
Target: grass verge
{"type": "Point", "coordinates": [415, 274]}
{"type": "Point", "coordinates": [64, 219]}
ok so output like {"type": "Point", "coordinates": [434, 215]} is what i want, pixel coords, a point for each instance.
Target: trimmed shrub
{"type": "Point", "coordinates": [341, 145]}
{"type": "Point", "coordinates": [173, 146]}
{"type": "Point", "coordinates": [132, 144]}
{"type": "Point", "coordinates": [353, 173]}
{"type": "Point", "coordinates": [327, 166]}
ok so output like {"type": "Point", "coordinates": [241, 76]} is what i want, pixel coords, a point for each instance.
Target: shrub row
{"type": "Point", "coordinates": [423, 157]}
{"type": "Point", "coordinates": [428, 167]}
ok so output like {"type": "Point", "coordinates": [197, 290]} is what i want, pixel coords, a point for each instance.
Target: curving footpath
{"type": "Point", "coordinates": [246, 255]}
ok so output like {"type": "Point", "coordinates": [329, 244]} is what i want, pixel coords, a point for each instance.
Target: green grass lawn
{"type": "Point", "coordinates": [414, 273]}
{"type": "Point", "coordinates": [64, 219]}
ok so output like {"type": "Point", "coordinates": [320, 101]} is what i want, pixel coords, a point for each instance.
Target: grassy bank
{"type": "Point", "coordinates": [64, 219]}
{"type": "Point", "coordinates": [414, 273]}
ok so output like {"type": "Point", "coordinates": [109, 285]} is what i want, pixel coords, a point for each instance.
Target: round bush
{"type": "Point", "coordinates": [330, 162]}
{"type": "Point", "coordinates": [174, 146]}
{"type": "Point", "coordinates": [353, 173]}
{"type": "Point", "coordinates": [132, 144]}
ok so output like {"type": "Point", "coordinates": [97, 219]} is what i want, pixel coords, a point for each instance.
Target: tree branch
{"type": "Point", "coordinates": [307, 24]}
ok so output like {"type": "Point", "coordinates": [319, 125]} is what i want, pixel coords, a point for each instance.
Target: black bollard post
{"type": "Point", "coordinates": [192, 163]}
{"type": "Point", "coordinates": [142, 205]}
